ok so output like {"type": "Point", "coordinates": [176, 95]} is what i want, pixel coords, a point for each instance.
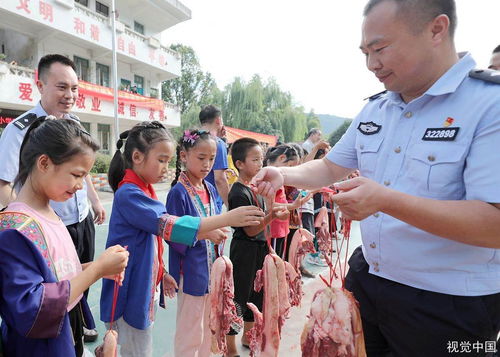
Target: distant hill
{"type": "Point", "coordinates": [330, 123]}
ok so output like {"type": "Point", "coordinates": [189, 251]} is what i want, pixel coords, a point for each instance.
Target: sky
{"type": "Point", "coordinates": [310, 47]}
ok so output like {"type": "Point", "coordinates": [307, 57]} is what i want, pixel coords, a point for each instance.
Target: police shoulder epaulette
{"type": "Point", "coordinates": [73, 116]}
{"type": "Point", "coordinates": [376, 96]}
{"type": "Point", "coordinates": [487, 75]}
{"type": "Point", "coordinates": [25, 121]}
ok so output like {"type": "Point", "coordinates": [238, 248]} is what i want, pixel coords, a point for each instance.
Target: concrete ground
{"type": "Point", "coordinates": [164, 327]}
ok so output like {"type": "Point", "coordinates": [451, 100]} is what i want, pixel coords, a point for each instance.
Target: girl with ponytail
{"type": "Point", "coordinates": [140, 222]}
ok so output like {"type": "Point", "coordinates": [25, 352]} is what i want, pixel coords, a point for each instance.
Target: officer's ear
{"type": "Point", "coordinates": [39, 85]}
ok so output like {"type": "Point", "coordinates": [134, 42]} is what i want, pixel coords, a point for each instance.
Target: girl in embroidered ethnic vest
{"type": "Point", "coordinates": [41, 278]}
{"type": "Point", "coordinates": [139, 221]}
{"type": "Point", "coordinates": [192, 194]}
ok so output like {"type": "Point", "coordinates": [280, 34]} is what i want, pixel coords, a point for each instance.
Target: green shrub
{"type": "Point", "coordinates": [101, 164]}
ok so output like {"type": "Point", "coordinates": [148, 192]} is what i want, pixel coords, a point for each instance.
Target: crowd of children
{"type": "Point", "coordinates": [41, 300]}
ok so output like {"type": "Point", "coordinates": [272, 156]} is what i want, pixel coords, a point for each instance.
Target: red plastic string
{"type": "Point", "coordinates": [267, 227]}
{"type": "Point", "coordinates": [116, 288]}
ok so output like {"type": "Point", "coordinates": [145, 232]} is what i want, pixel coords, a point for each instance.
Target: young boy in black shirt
{"type": "Point", "coordinates": [248, 246]}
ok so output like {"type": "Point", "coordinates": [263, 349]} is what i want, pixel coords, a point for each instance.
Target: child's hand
{"type": "Point", "coordinates": [113, 261]}
{"type": "Point", "coordinates": [281, 212]}
{"type": "Point", "coordinates": [244, 216]}
{"type": "Point", "coordinates": [216, 236]}
{"type": "Point", "coordinates": [300, 200]}
{"type": "Point", "coordinates": [169, 285]}
{"type": "Point", "coordinates": [109, 346]}
{"type": "Point", "coordinates": [118, 277]}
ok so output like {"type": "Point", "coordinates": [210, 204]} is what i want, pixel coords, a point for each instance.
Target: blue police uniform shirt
{"type": "Point", "coordinates": [219, 164]}
{"type": "Point", "coordinates": [443, 146]}
{"type": "Point", "coordinates": [75, 209]}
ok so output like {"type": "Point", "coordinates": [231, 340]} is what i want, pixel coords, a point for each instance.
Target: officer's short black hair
{"type": "Point", "coordinates": [208, 114]}
{"type": "Point", "coordinates": [47, 61]}
{"type": "Point", "coordinates": [496, 50]}
{"type": "Point", "coordinates": [420, 12]}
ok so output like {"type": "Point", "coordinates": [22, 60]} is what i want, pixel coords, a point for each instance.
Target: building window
{"type": "Point", "coordinates": [125, 85]}
{"type": "Point", "coordinates": [82, 68]}
{"type": "Point", "coordinates": [102, 74]}
{"type": "Point", "coordinates": [139, 28]}
{"type": "Point", "coordinates": [153, 92]}
{"type": "Point", "coordinates": [139, 84]}
{"type": "Point", "coordinates": [103, 133]}
{"type": "Point", "coordinates": [83, 2]}
{"type": "Point", "coordinates": [86, 126]}
{"type": "Point", "coordinates": [101, 9]}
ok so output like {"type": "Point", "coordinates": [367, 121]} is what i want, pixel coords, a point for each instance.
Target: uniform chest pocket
{"type": "Point", "coordinates": [368, 150]}
{"type": "Point", "coordinates": [437, 169]}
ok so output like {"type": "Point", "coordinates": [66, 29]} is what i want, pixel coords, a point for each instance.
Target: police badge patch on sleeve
{"type": "Point", "coordinates": [369, 128]}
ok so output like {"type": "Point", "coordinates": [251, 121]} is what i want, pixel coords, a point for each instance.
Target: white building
{"type": "Point", "coordinates": [81, 30]}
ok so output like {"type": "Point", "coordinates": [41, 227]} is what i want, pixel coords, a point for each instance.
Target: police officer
{"type": "Point", "coordinates": [495, 59]}
{"type": "Point", "coordinates": [58, 86]}
{"type": "Point", "coordinates": [428, 274]}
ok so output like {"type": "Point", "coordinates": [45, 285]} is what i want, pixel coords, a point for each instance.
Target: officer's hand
{"type": "Point", "coordinates": [268, 179]}
{"type": "Point", "coordinates": [359, 197]}
{"type": "Point", "coordinates": [99, 213]}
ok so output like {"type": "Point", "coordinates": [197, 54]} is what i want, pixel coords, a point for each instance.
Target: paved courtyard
{"type": "Point", "coordinates": [164, 327]}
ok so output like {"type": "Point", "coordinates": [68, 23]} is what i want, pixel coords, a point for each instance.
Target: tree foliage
{"type": "Point", "coordinates": [257, 105]}
{"type": "Point", "coordinates": [337, 134]}
{"type": "Point", "coordinates": [193, 86]}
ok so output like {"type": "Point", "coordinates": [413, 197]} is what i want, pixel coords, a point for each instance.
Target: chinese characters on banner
{"type": "Point", "coordinates": [26, 91]}
{"type": "Point", "coordinates": [46, 11]}
{"type": "Point", "coordinates": [79, 26]}
{"type": "Point", "coordinates": [96, 104]}
{"type": "Point", "coordinates": [121, 108]}
{"type": "Point", "coordinates": [80, 101]}
{"type": "Point", "coordinates": [93, 31]}
{"type": "Point", "coordinates": [133, 112]}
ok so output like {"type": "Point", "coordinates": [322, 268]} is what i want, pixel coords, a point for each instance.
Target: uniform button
{"type": "Point", "coordinates": [373, 245]}
{"type": "Point", "coordinates": [397, 150]}
{"type": "Point", "coordinates": [408, 114]}
{"type": "Point", "coordinates": [387, 182]}
{"type": "Point", "coordinates": [431, 158]}
{"type": "Point", "coordinates": [361, 146]}
{"type": "Point", "coordinates": [375, 215]}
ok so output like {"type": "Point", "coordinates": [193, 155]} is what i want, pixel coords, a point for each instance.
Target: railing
{"type": "Point", "coordinates": [19, 70]}
{"type": "Point", "coordinates": [85, 10]}
{"type": "Point", "coordinates": [136, 35]}
{"type": "Point", "coordinates": [172, 52]}
{"type": "Point", "coordinates": [171, 106]}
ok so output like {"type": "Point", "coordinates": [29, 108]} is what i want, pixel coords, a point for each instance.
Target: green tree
{"type": "Point", "coordinates": [192, 86]}
{"type": "Point", "coordinates": [258, 105]}
{"type": "Point", "coordinates": [337, 134]}
{"type": "Point", "coordinates": [313, 121]}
